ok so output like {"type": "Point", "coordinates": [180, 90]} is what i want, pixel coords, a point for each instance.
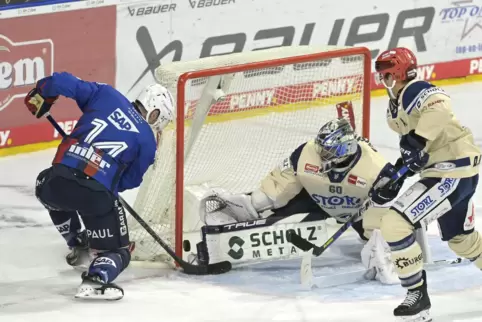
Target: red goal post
{"type": "Point", "coordinates": [263, 89]}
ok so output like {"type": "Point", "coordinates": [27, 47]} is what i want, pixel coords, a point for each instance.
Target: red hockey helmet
{"type": "Point", "coordinates": [399, 62]}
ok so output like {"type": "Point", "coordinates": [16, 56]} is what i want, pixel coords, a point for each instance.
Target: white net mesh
{"type": "Point", "coordinates": [262, 116]}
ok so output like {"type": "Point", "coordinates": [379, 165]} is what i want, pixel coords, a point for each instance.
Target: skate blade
{"type": "Point", "coordinates": [423, 316]}
{"type": "Point", "coordinates": [88, 292]}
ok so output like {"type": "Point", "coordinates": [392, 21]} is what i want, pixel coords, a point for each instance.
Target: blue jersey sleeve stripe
{"type": "Point", "coordinates": [295, 156]}
{"type": "Point", "coordinates": [413, 93]}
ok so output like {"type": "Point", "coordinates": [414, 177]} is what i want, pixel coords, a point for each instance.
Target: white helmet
{"type": "Point", "coordinates": [157, 97]}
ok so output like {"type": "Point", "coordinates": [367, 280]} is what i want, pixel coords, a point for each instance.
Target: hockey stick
{"type": "Point", "coordinates": [216, 268]}
{"type": "Point", "coordinates": [305, 245]}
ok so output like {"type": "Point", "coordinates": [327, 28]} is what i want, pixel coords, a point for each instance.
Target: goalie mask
{"type": "Point", "coordinates": [335, 143]}
{"type": "Point", "coordinates": [156, 105]}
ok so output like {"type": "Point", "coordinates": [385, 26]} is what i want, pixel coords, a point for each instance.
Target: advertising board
{"type": "Point", "coordinates": [81, 42]}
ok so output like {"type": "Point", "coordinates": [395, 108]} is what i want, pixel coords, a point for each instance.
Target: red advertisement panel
{"type": "Point", "coordinates": [81, 42]}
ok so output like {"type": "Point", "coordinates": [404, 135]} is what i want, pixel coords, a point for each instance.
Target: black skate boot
{"type": "Point", "coordinates": [79, 256]}
{"type": "Point", "coordinates": [94, 288]}
{"type": "Point", "coordinates": [415, 307]}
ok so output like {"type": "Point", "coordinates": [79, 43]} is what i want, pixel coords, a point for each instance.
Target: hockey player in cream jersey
{"type": "Point", "coordinates": [434, 144]}
{"type": "Point", "coordinates": [329, 176]}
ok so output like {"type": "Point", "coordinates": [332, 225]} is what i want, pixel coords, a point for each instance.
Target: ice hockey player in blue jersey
{"type": "Point", "coordinates": [109, 150]}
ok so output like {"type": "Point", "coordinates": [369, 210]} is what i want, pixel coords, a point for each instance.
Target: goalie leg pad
{"type": "Point", "coordinates": [376, 257]}
{"type": "Point", "coordinates": [261, 239]}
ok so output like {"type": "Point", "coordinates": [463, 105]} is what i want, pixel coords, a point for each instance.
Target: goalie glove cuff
{"type": "Point", "coordinates": [261, 201]}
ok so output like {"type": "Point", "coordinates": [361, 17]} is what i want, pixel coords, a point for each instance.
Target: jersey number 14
{"type": "Point", "coordinates": [113, 148]}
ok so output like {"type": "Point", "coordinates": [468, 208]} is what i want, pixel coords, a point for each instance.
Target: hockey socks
{"type": "Point", "coordinates": [97, 281]}
{"type": "Point", "coordinates": [68, 225]}
{"type": "Point", "coordinates": [109, 265]}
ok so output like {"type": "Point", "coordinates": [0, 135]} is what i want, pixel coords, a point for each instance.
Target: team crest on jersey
{"type": "Point", "coordinates": [122, 122]}
{"type": "Point", "coordinates": [357, 181]}
{"type": "Point", "coordinates": [311, 168]}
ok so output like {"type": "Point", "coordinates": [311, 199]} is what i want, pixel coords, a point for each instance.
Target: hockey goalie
{"type": "Point", "coordinates": [327, 177]}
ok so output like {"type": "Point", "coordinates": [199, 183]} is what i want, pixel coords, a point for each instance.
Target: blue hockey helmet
{"type": "Point", "coordinates": [336, 140]}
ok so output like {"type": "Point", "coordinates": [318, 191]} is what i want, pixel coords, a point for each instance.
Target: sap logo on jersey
{"type": "Point", "coordinates": [104, 261]}
{"type": "Point", "coordinates": [122, 122]}
{"type": "Point", "coordinates": [336, 201]}
{"type": "Point", "coordinates": [64, 227]}
{"type": "Point", "coordinates": [422, 206]}
{"type": "Point", "coordinates": [89, 154]}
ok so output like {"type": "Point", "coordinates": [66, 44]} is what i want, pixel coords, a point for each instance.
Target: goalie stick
{"type": "Point", "coordinates": [190, 269]}
{"type": "Point", "coordinates": [305, 245]}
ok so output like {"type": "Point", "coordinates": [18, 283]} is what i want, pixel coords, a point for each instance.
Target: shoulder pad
{"type": "Point", "coordinates": [295, 156]}
{"type": "Point", "coordinates": [417, 93]}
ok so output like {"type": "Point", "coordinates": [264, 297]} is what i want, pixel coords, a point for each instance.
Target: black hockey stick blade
{"type": "Point", "coordinates": [210, 269]}
{"type": "Point", "coordinates": [217, 268]}
{"type": "Point", "coordinates": [190, 269]}
{"type": "Point", "coordinates": [305, 245]}
{"type": "Point", "coordinates": [299, 241]}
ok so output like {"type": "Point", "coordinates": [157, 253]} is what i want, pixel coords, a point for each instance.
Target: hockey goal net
{"type": "Point", "coordinates": [239, 115]}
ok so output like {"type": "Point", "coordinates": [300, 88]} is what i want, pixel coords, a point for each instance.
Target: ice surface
{"type": "Point", "coordinates": [37, 285]}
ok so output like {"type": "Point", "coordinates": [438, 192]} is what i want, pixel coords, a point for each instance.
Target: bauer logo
{"type": "Point", "coordinates": [151, 10]}
{"type": "Point", "coordinates": [198, 4]}
{"type": "Point", "coordinates": [22, 64]}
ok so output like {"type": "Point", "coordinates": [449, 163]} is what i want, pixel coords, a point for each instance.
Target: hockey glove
{"type": "Point", "coordinates": [413, 155]}
{"type": "Point", "coordinates": [399, 165]}
{"type": "Point", "coordinates": [36, 103]}
{"type": "Point", "coordinates": [383, 189]}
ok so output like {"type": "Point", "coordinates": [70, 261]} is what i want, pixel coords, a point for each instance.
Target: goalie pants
{"type": "Point", "coordinates": [68, 193]}
{"type": "Point", "coordinates": [447, 200]}
{"type": "Point", "coordinates": [303, 203]}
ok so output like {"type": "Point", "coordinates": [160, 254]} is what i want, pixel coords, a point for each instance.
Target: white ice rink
{"type": "Point", "coordinates": [37, 285]}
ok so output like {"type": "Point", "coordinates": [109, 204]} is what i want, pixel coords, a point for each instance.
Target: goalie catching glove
{"type": "Point", "coordinates": [226, 208]}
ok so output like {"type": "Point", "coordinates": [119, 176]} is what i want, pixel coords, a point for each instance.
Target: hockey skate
{"type": "Point", "coordinates": [80, 256]}
{"type": "Point", "coordinates": [94, 288]}
{"type": "Point", "coordinates": [416, 306]}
